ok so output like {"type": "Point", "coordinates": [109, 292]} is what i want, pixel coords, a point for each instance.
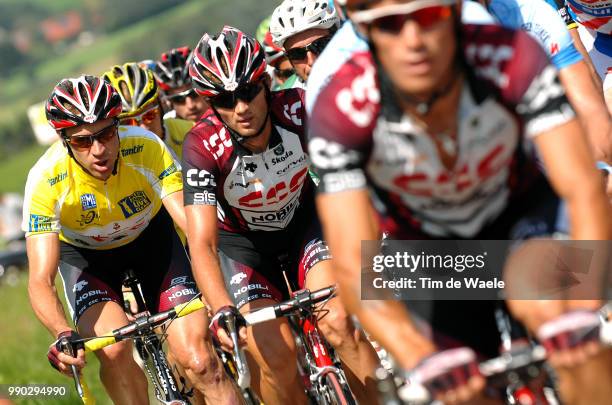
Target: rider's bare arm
{"type": "Point", "coordinates": [202, 237]}
{"type": "Point", "coordinates": [587, 59]}
{"type": "Point", "coordinates": [571, 170]}
{"type": "Point", "coordinates": [589, 103]}
{"type": "Point", "coordinates": [352, 210]}
{"type": "Point", "coordinates": [174, 205]}
{"type": "Point", "coordinates": [43, 258]}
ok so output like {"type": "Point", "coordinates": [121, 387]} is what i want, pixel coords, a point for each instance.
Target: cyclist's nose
{"type": "Point", "coordinates": [311, 58]}
{"type": "Point", "coordinates": [189, 103]}
{"type": "Point", "coordinates": [97, 148]}
{"type": "Point", "coordinates": [241, 106]}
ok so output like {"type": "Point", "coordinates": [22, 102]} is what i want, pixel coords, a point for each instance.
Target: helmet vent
{"type": "Point", "coordinates": [125, 91]}
{"type": "Point", "coordinates": [83, 94]}
{"type": "Point", "coordinates": [240, 63]}
{"type": "Point", "coordinates": [222, 63]}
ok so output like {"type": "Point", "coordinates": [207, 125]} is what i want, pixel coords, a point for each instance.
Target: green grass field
{"type": "Point", "coordinates": [23, 347]}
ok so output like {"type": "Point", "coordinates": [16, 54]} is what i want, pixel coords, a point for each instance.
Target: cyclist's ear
{"type": "Point", "coordinates": [267, 79]}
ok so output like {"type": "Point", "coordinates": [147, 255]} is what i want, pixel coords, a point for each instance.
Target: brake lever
{"type": "Point", "coordinates": [244, 375]}
{"type": "Point", "coordinates": [68, 349]}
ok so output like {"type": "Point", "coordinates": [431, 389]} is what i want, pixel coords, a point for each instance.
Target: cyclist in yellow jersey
{"type": "Point", "coordinates": [140, 99]}
{"type": "Point", "coordinates": [101, 201]}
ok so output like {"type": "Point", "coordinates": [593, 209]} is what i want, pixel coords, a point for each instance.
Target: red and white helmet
{"type": "Point", "coordinates": [225, 62]}
{"type": "Point", "coordinates": [80, 101]}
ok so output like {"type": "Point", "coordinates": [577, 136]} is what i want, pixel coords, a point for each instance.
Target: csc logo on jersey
{"type": "Point", "coordinates": [360, 100]}
{"type": "Point", "coordinates": [276, 193]}
{"type": "Point", "coordinates": [330, 155]}
{"type": "Point", "coordinates": [217, 143]}
{"type": "Point", "coordinates": [200, 178]}
{"type": "Point", "coordinates": [490, 60]}
{"type": "Point", "coordinates": [290, 112]}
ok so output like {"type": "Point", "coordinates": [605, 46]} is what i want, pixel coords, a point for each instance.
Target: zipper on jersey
{"type": "Point", "coordinates": [264, 160]}
{"type": "Point", "coordinates": [108, 203]}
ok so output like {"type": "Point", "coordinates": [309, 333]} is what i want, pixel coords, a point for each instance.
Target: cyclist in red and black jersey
{"type": "Point", "coordinates": [250, 211]}
{"type": "Point", "coordinates": [432, 123]}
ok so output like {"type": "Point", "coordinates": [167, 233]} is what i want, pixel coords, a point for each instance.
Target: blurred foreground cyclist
{"type": "Point", "coordinates": [431, 124]}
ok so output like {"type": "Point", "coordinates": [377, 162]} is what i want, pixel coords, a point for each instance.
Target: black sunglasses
{"type": "Point", "coordinates": [180, 98]}
{"type": "Point", "coordinates": [284, 73]}
{"type": "Point", "coordinates": [316, 47]}
{"type": "Point", "coordinates": [246, 93]}
{"type": "Point", "coordinates": [83, 142]}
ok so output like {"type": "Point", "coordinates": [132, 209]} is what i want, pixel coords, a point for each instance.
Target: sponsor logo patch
{"type": "Point", "coordinates": [39, 223]}
{"type": "Point", "coordinates": [132, 151]}
{"type": "Point", "coordinates": [168, 171]}
{"type": "Point", "coordinates": [54, 180]}
{"type": "Point", "coordinates": [88, 202]}
{"type": "Point", "coordinates": [237, 278]}
{"type": "Point", "coordinates": [79, 286]}
{"type": "Point", "coordinates": [200, 178]}
{"type": "Point", "coordinates": [134, 203]}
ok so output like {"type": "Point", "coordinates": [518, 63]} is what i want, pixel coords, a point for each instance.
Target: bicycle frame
{"type": "Point", "coordinates": [142, 328]}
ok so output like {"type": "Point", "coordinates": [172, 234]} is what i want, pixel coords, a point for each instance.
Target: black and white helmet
{"type": "Point", "coordinates": [226, 61]}
{"type": "Point", "coordinates": [172, 70]}
{"type": "Point", "coordinates": [82, 100]}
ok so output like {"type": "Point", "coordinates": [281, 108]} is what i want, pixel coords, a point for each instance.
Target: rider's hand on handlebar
{"type": "Point", "coordinates": [451, 376]}
{"type": "Point", "coordinates": [571, 338]}
{"type": "Point", "coordinates": [58, 352]}
{"type": "Point", "coordinates": [219, 330]}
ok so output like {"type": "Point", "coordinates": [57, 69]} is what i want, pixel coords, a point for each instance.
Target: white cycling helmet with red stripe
{"type": "Point", "coordinates": [225, 62]}
{"type": "Point", "coordinates": [82, 100]}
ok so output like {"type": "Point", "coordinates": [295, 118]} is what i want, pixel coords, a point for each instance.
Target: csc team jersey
{"type": "Point", "coordinates": [90, 213]}
{"type": "Point", "coordinates": [358, 137]}
{"type": "Point", "coordinates": [543, 23]}
{"type": "Point", "coordinates": [252, 191]}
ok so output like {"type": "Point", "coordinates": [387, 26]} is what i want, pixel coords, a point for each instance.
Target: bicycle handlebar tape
{"type": "Point", "coordinates": [99, 343]}
{"type": "Point", "coordinates": [570, 330]}
{"type": "Point", "coordinates": [188, 307]}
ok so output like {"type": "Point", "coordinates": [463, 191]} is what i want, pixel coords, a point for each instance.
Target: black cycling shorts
{"type": "Point", "coordinates": [156, 256]}
{"type": "Point", "coordinates": [253, 262]}
{"type": "Point", "coordinates": [472, 323]}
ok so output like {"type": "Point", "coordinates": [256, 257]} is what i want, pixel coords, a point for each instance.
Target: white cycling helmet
{"type": "Point", "coordinates": [295, 16]}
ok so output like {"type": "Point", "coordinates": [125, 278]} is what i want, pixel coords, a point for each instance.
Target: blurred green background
{"type": "Point", "coordinates": [41, 42]}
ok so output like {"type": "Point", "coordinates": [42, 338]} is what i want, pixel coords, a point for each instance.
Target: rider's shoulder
{"type": "Point", "coordinates": [287, 108]}
{"type": "Point", "coordinates": [208, 125]}
{"type": "Point", "coordinates": [137, 143]}
{"type": "Point", "coordinates": [497, 54]}
{"type": "Point", "coordinates": [54, 160]}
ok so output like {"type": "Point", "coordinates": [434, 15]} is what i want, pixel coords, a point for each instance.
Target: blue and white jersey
{"type": "Point", "coordinates": [540, 19]}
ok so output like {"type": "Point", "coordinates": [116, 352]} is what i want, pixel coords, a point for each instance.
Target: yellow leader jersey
{"type": "Point", "coordinates": [86, 212]}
